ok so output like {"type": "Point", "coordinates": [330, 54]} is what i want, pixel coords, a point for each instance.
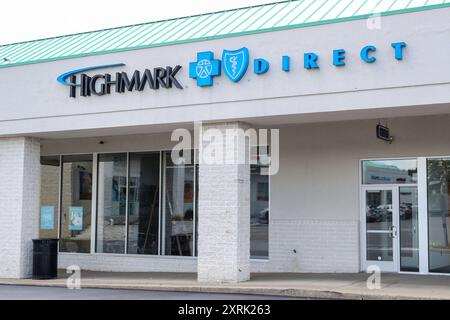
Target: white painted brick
{"type": "Point", "coordinates": [320, 245]}
{"type": "Point", "coordinates": [224, 216]}
{"type": "Point", "coordinates": [127, 263]}
{"type": "Point", "coordinates": [19, 204]}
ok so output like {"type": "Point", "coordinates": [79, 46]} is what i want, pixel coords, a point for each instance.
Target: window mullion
{"type": "Point", "coordinates": [126, 201]}
{"type": "Point", "coordinates": [194, 209]}
{"type": "Point", "coordinates": [94, 203]}
{"type": "Point", "coordinates": [59, 200]}
{"type": "Point", "coordinates": [161, 203]}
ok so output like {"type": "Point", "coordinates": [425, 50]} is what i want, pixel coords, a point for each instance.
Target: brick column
{"type": "Point", "coordinates": [19, 204]}
{"type": "Point", "coordinates": [224, 212]}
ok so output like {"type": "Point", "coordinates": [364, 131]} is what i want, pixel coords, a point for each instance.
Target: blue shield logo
{"type": "Point", "coordinates": [235, 63]}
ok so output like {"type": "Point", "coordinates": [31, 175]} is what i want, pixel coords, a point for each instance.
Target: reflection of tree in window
{"type": "Point", "coordinates": [438, 214]}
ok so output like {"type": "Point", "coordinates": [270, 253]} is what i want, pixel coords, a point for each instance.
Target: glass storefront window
{"type": "Point", "coordinates": [76, 203]}
{"type": "Point", "coordinates": [259, 214]}
{"type": "Point", "coordinates": [143, 203]}
{"type": "Point", "coordinates": [438, 180]}
{"type": "Point", "coordinates": [389, 171]}
{"type": "Point", "coordinates": [409, 229]}
{"type": "Point", "coordinates": [111, 203]}
{"type": "Point", "coordinates": [146, 226]}
{"type": "Point", "coordinates": [49, 198]}
{"type": "Point", "coordinates": [179, 207]}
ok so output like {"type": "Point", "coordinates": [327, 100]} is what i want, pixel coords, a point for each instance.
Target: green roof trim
{"type": "Point", "coordinates": [230, 23]}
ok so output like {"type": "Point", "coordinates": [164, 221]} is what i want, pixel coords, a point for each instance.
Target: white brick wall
{"type": "Point", "coordinates": [19, 204]}
{"type": "Point", "coordinates": [320, 245]}
{"type": "Point", "coordinates": [224, 216]}
{"type": "Point", "coordinates": [128, 263]}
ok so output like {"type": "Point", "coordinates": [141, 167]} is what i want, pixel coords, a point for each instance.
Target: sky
{"type": "Point", "coordinates": [22, 20]}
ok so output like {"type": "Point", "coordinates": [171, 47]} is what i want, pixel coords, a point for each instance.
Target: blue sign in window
{"type": "Point", "coordinates": [47, 218]}
{"type": "Point", "coordinates": [76, 218]}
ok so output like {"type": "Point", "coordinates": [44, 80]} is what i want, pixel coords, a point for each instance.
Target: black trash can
{"type": "Point", "coordinates": [45, 258]}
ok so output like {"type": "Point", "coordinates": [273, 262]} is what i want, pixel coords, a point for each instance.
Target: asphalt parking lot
{"type": "Point", "coordinates": [11, 292]}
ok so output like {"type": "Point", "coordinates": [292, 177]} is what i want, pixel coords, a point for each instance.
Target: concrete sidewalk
{"type": "Point", "coordinates": [328, 286]}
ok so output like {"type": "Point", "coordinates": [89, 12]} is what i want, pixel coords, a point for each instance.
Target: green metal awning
{"type": "Point", "coordinates": [262, 18]}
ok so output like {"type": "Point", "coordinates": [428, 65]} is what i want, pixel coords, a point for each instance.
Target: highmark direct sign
{"type": "Point", "coordinates": [234, 65]}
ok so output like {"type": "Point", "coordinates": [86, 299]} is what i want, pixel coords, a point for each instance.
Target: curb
{"type": "Point", "coordinates": [281, 292]}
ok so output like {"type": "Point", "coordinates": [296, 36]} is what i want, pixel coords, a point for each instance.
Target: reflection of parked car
{"type": "Point", "coordinates": [380, 213]}
{"type": "Point", "coordinates": [263, 216]}
{"type": "Point", "coordinates": [406, 212]}
{"type": "Point", "coordinates": [385, 211]}
{"type": "Point", "coordinates": [372, 215]}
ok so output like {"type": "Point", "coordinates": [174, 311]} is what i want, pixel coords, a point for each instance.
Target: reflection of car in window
{"type": "Point", "coordinates": [380, 213]}
{"type": "Point", "coordinates": [372, 215]}
{"type": "Point", "coordinates": [263, 216]}
{"type": "Point", "coordinates": [385, 210]}
{"type": "Point", "coordinates": [406, 211]}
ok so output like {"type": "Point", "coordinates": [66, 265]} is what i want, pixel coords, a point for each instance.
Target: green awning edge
{"type": "Point", "coordinates": [295, 26]}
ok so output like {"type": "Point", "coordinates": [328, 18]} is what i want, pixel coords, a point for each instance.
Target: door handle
{"type": "Point", "coordinates": [393, 231]}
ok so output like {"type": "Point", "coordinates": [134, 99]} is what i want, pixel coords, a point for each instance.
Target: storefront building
{"type": "Point", "coordinates": [86, 137]}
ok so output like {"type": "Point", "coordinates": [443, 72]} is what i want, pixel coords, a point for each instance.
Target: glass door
{"type": "Point", "coordinates": [408, 229]}
{"type": "Point", "coordinates": [380, 231]}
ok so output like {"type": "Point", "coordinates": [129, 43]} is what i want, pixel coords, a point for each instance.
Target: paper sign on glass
{"type": "Point", "coordinates": [47, 218]}
{"type": "Point", "coordinates": [76, 218]}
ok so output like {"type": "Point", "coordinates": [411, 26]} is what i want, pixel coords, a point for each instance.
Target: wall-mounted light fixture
{"type": "Point", "coordinates": [383, 133]}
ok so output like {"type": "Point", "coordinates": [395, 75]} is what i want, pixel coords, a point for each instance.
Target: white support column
{"type": "Point", "coordinates": [19, 204]}
{"type": "Point", "coordinates": [224, 210]}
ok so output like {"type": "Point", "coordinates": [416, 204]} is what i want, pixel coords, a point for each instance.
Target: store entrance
{"type": "Point", "coordinates": [390, 227]}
